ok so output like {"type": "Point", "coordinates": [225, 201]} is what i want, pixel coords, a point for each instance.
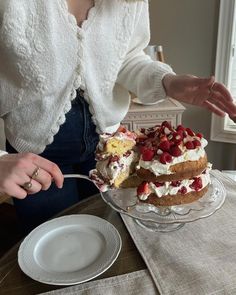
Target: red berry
{"type": "Point", "coordinates": [163, 138]}
{"type": "Point", "coordinates": [190, 132]}
{"type": "Point", "coordinates": [196, 143]}
{"type": "Point", "coordinates": [197, 184]}
{"type": "Point", "coordinates": [147, 154]}
{"type": "Point", "coordinates": [199, 135]}
{"type": "Point", "coordinates": [189, 145]}
{"type": "Point", "coordinates": [180, 128]}
{"type": "Point", "coordinates": [183, 190]}
{"type": "Point", "coordinates": [176, 183]}
{"type": "Point", "coordinates": [165, 158]}
{"type": "Point", "coordinates": [164, 146]}
{"type": "Point", "coordinates": [177, 137]}
{"type": "Point", "coordinates": [114, 159]}
{"type": "Point", "coordinates": [143, 188]}
{"type": "Point", "coordinates": [158, 184]}
{"type": "Point", "coordinates": [166, 124]}
{"type": "Point", "coordinates": [175, 151]}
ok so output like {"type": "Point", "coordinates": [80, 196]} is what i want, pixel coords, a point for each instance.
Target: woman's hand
{"type": "Point", "coordinates": [203, 92]}
{"type": "Point", "coordinates": [18, 170]}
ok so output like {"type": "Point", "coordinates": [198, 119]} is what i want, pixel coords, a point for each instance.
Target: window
{"type": "Point", "coordinates": [224, 129]}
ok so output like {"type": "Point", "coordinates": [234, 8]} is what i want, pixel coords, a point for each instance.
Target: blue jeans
{"type": "Point", "coordinates": [73, 150]}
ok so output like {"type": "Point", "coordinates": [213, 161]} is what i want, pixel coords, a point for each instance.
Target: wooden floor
{"type": "Point", "coordinates": [9, 232]}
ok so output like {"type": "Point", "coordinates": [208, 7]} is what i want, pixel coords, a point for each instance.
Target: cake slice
{"type": "Point", "coordinates": [116, 158]}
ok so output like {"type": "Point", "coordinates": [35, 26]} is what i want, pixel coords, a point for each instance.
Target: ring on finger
{"type": "Point", "coordinates": [35, 173]}
{"type": "Point", "coordinates": [27, 185]}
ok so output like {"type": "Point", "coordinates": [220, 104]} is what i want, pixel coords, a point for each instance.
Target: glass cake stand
{"type": "Point", "coordinates": [166, 219]}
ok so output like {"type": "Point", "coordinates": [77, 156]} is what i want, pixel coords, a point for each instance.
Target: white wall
{"type": "Point", "coordinates": [187, 30]}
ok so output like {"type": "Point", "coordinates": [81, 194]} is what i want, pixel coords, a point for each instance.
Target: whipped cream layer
{"type": "Point", "coordinates": [110, 170]}
{"type": "Point", "coordinates": [168, 189]}
{"type": "Point", "coordinates": [157, 168]}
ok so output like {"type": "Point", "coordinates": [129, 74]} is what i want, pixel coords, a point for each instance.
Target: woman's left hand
{"type": "Point", "coordinates": [203, 92]}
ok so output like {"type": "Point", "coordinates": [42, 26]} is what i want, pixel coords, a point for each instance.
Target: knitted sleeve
{"type": "Point", "coordinates": [139, 74]}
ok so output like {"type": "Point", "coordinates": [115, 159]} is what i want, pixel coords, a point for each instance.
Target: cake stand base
{"type": "Point", "coordinates": [159, 227]}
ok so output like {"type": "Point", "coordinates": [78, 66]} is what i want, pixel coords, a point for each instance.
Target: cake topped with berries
{"type": "Point", "coordinates": [173, 165]}
{"type": "Point", "coordinates": [167, 165]}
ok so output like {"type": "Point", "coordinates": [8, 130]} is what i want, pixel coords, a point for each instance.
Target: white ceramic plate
{"type": "Point", "coordinates": [69, 250]}
{"type": "Point", "coordinates": [136, 100]}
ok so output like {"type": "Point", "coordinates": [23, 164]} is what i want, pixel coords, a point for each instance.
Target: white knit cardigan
{"type": "Point", "coordinates": [45, 57]}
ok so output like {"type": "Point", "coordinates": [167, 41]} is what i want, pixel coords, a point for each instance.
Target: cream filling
{"type": "Point", "coordinates": [168, 189]}
{"type": "Point", "coordinates": [111, 171]}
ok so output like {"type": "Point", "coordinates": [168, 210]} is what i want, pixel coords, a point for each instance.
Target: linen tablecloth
{"type": "Point", "coordinates": [135, 283]}
{"type": "Point", "coordinates": [199, 258]}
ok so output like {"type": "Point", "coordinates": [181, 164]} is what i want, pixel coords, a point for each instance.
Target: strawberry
{"type": "Point", "coordinates": [199, 135]}
{"type": "Point", "coordinates": [147, 154]}
{"type": "Point", "coordinates": [164, 145]}
{"type": "Point", "coordinates": [189, 145]}
{"type": "Point", "coordinates": [158, 184]}
{"type": "Point", "coordinates": [143, 188]}
{"type": "Point", "coordinates": [163, 138]}
{"type": "Point", "coordinates": [165, 158]}
{"type": "Point", "coordinates": [166, 124]}
{"type": "Point", "coordinates": [196, 143]}
{"type": "Point", "coordinates": [122, 129]}
{"type": "Point", "coordinates": [190, 132]}
{"type": "Point", "coordinates": [180, 128]}
{"type": "Point", "coordinates": [177, 137]}
{"type": "Point", "coordinates": [196, 184]}
{"type": "Point", "coordinates": [114, 159]}
{"type": "Point", "coordinates": [175, 151]}
{"type": "Point", "coordinates": [175, 183]}
{"type": "Point", "coordinates": [182, 190]}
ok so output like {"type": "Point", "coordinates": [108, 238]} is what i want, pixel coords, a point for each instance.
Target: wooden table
{"type": "Point", "coordinates": [14, 281]}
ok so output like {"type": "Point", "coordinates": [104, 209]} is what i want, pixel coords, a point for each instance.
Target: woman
{"type": "Point", "coordinates": [65, 71]}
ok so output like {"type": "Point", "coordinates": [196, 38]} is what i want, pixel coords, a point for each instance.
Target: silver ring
{"type": "Point", "coordinates": [35, 173]}
{"type": "Point", "coordinates": [27, 185]}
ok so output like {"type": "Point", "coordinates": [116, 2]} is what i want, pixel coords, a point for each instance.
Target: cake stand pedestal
{"type": "Point", "coordinates": [166, 219]}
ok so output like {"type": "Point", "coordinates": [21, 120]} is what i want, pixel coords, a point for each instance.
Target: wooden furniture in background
{"type": "Point", "coordinates": [151, 115]}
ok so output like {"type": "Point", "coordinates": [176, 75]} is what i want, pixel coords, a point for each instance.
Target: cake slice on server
{"type": "Point", "coordinates": [116, 157]}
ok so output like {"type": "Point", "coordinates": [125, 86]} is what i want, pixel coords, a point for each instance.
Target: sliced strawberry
{"type": "Point", "coordinates": [158, 184]}
{"type": "Point", "coordinates": [176, 183]}
{"type": "Point", "coordinates": [196, 143]}
{"type": "Point", "coordinates": [183, 190]}
{"type": "Point", "coordinates": [114, 159]}
{"type": "Point", "coordinates": [163, 138]}
{"type": "Point", "coordinates": [175, 151]}
{"type": "Point", "coordinates": [180, 128]}
{"type": "Point", "coordinates": [197, 184]}
{"type": "Point", "coordinates": [147, 154]}
{"type": "Point", "coordinates": [190, 132]}
{"type": "Point", "coordinates": [200, 135]}
{"type": "Point", "coordinates": [164, 145]}
{"type": "Point", "coordinates": [189, 145]}
{"type": "Point", "coordinates": [165, 158]}
{"type": "Point", "coordinates": [166, 124]}
{"type": "Point", "coordinates": [177, 137]}
{"type": "Point", "coordinates": [143, 188]}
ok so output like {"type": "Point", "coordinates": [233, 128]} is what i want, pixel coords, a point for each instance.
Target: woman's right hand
{"type": "Point", "coordinates": [18, 169]}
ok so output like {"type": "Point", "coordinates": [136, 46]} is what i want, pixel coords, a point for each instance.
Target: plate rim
{"type": "Point", "coordinates": [25, 269]}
